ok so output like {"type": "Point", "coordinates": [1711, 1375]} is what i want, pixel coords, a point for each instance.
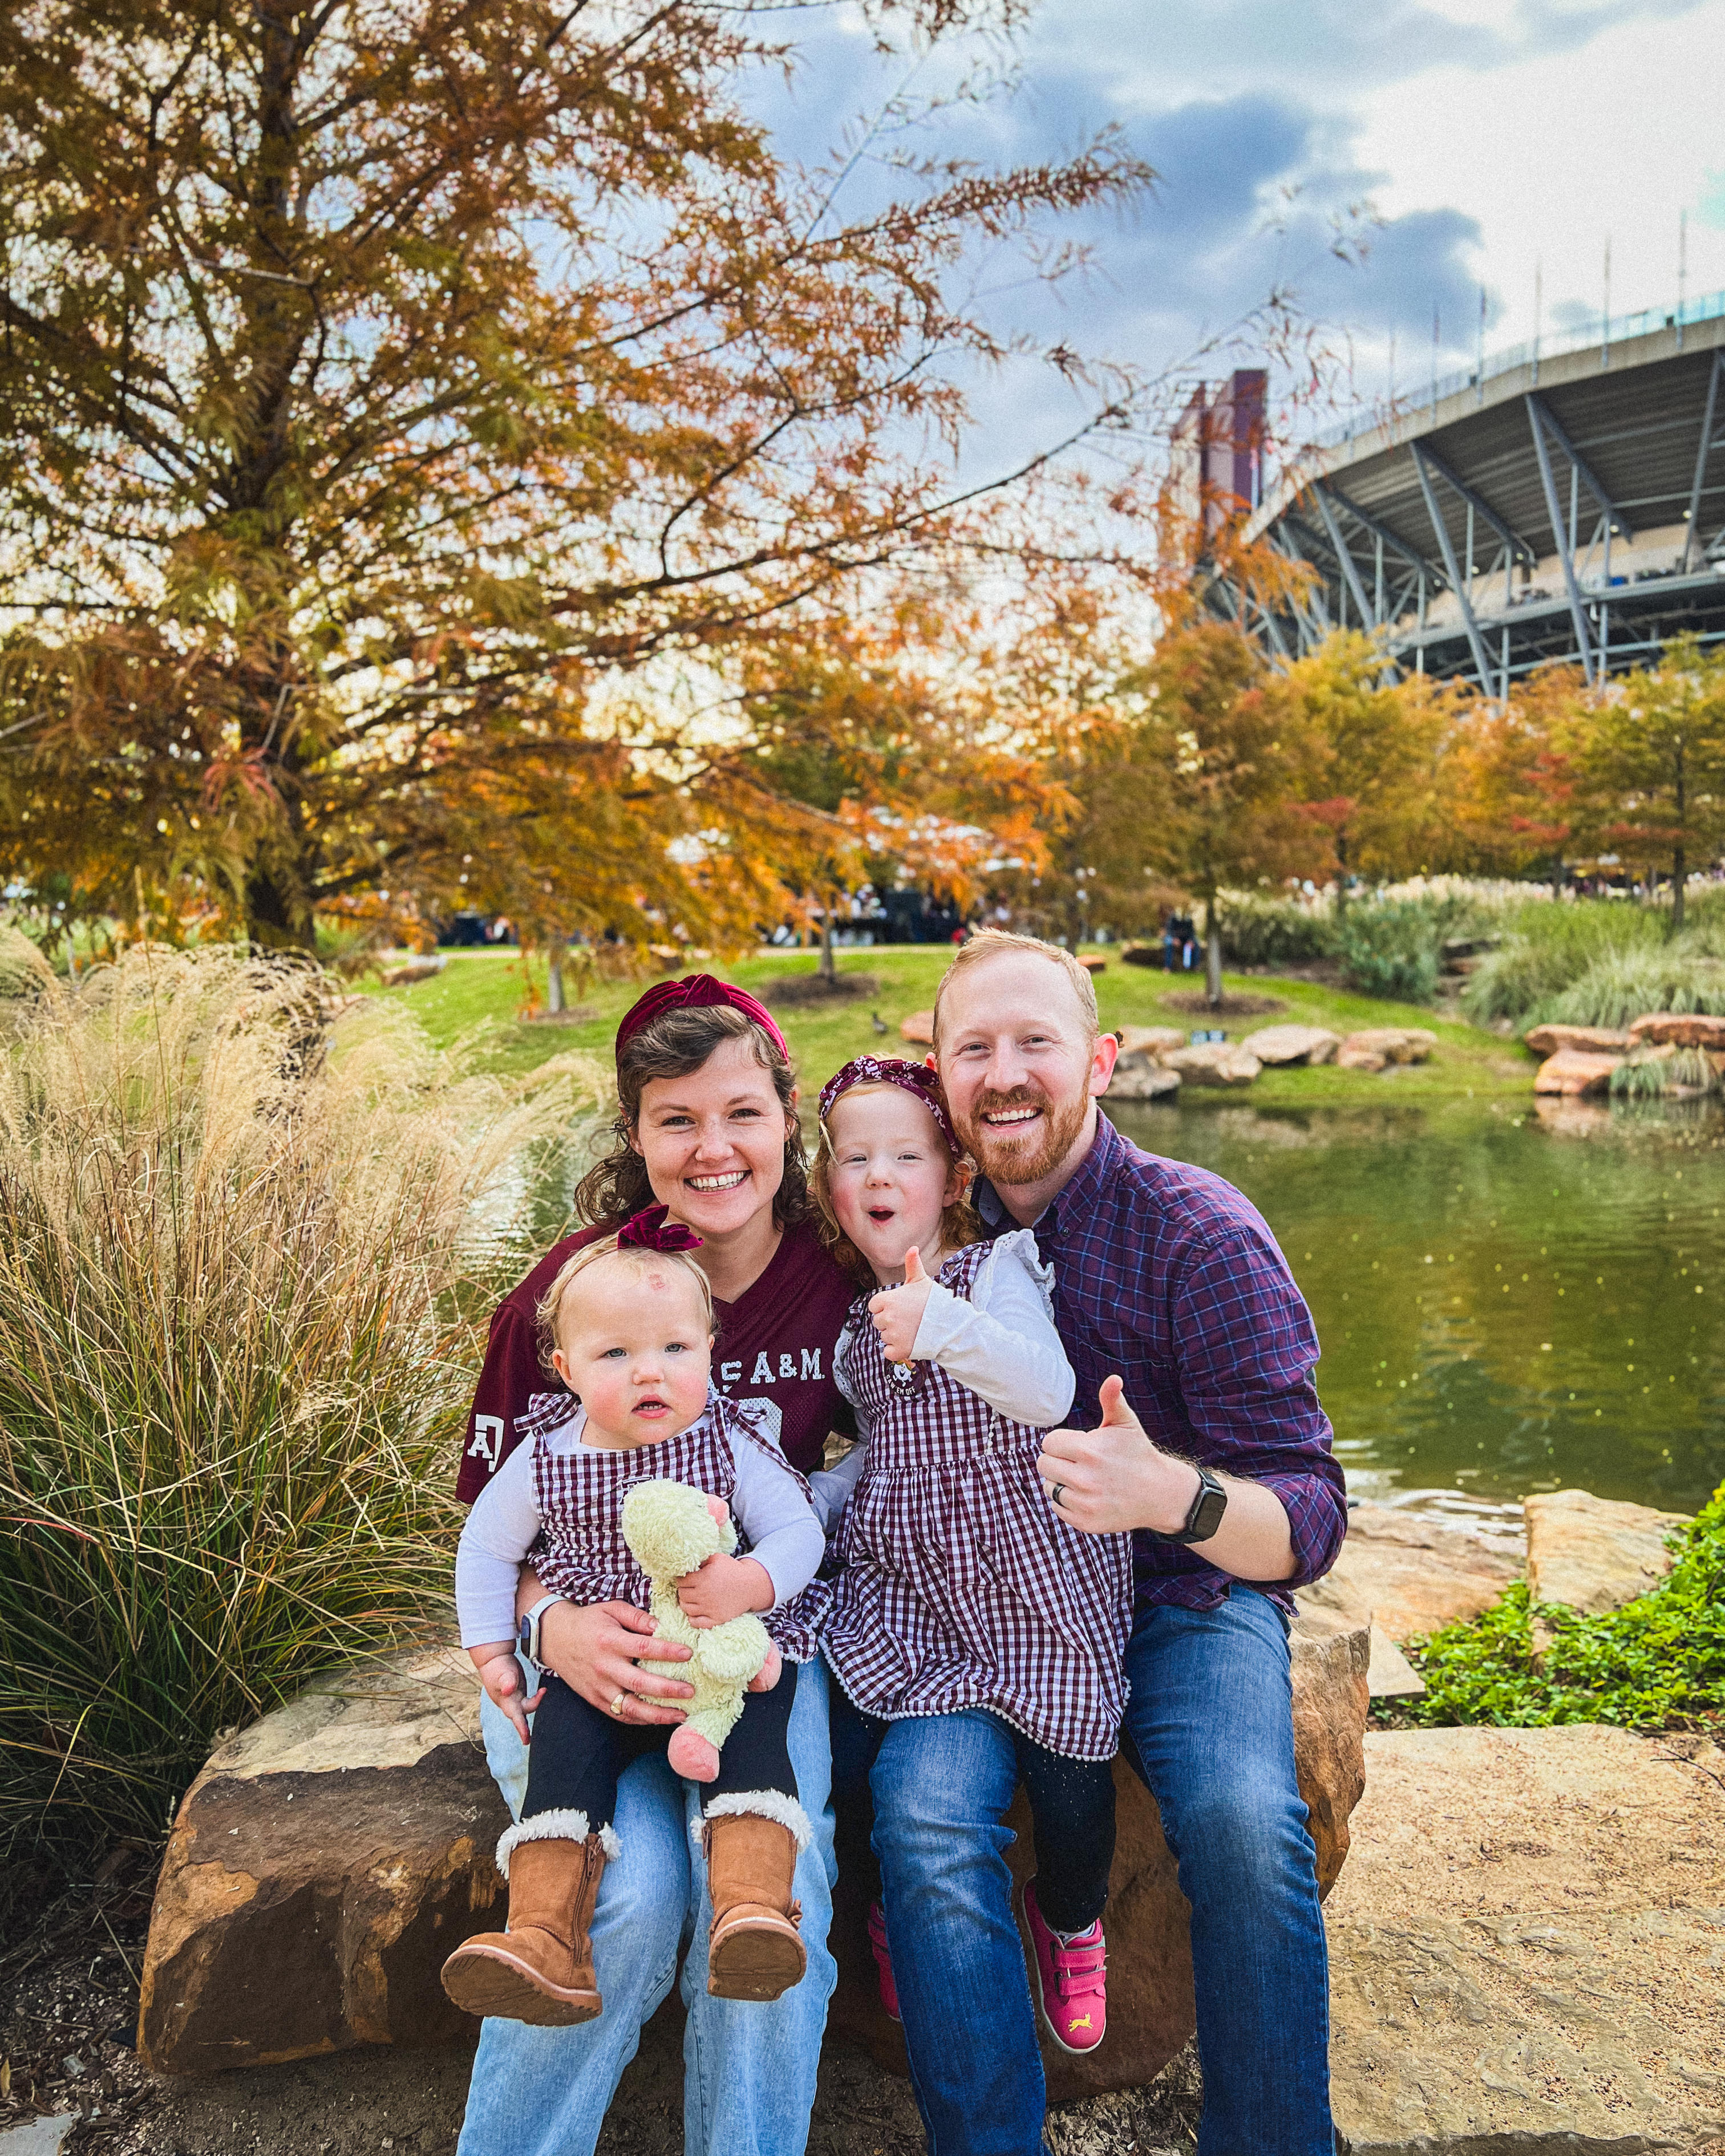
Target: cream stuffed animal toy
{"type": "Point", "coordinates": [671, 1530]}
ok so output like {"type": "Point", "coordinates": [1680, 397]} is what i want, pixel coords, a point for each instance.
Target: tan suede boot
{"type": "Point", "coordinates": [753, 1951]}
{"type": "Point", "coordinates": [541, 1969]}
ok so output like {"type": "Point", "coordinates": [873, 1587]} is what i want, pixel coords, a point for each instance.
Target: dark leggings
{"type": "Point", "coordinates": [578, 1751]}
{"type": "Point", "coordinates": [1071, 1814]}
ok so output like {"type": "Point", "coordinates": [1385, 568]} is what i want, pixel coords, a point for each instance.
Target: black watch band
{"type": "Point", "coordinates": [1208, 1507]}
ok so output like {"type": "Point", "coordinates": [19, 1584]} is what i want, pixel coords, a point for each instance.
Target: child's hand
{"type": "Point", "coordinates": [724, 1588]}
{"type": "Point", "coordinates": [897, 1312]}
{"type": "Point", "coordinates": [500, 1674]}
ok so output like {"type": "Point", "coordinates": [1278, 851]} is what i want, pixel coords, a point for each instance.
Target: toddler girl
{"type": "Point", "coordinates": [960, 1587]}
{"type": "Point", "coordinates": [632, 1318]}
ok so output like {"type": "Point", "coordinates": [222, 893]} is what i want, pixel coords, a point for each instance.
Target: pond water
{"type": "Point", "coordinates": [1506, 1304]}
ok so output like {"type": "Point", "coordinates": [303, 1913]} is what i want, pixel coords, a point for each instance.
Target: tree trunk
{"type": "Point", "coordinates": [828, 968]}
{"type": "Point", "coordinates": [1341, 877]}
{"type": "Point", "coordinates": [554, 1001]}
{"type": "Point", "coordinates": [1213, 953]}
{"type": "Point", "coordinates": [1679, 859]}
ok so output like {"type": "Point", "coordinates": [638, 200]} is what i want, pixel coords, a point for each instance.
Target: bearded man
{"type": "Point", "coordinates": [1179, 1317]}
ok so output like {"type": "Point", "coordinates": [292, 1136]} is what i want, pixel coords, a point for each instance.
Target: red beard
{"type": "Point", "coordinates": [1031, 1150]}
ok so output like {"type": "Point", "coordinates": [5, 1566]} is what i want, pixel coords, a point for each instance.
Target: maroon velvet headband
{"type": "Point", "coordinates": [915, 1078]}
{"type": "Point", "coordinates": [698, 992]}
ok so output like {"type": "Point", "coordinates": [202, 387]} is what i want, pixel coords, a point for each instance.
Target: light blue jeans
{"type": "Point", "coordinates": [750, 2068]}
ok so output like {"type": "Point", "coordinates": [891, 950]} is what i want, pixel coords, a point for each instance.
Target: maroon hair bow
{"type": "Point", "coordinates": [915, 1079]}
{"type": "Point", "coordinates": [698, 992]}
{"type": "Point", "coordinates": [651, 1229]}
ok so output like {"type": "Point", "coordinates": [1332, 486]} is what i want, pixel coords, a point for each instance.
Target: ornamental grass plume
{"type": "Point", "coordinates": [246, 1236]}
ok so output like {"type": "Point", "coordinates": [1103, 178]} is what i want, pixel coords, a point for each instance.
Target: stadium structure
{"type": "Point", "coordinates": [1553, 504]}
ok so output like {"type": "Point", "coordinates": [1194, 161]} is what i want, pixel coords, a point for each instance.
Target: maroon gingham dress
{"type": "Point", "coordinates": [581, 1552]}
{"type": "Point", "coordinates": [961, 1586]}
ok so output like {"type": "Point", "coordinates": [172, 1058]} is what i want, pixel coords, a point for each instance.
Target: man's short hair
{"type": "Point", "coordinates": [1000, 943]}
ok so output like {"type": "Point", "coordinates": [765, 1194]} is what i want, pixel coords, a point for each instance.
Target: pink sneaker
{"type": "Point", "coordinates": [1071, 1981]}
{"type": "Point", "coordinates": [883, 1958]}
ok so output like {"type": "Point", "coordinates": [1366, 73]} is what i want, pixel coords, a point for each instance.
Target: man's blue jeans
{"type": "Point", "coordinates": [1210, 1721]}
{"type": "Point", "coordinates": [749, 2069]}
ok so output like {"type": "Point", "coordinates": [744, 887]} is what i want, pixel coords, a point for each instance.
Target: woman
{"type": "Point", "coordinates": [707, 1126]}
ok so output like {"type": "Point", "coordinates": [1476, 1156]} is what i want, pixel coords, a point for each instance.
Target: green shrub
{"type": "Point", "coordinates": [1629, 985]}
{"type": "Point", "coordinates": [1389, 948]}
{"type": "Point", "coordinates": [1275, 932]}
{"type": "Point", "coordinates": [1548, 946]}
{"type": "Point", "coordinates": [1658, 1663]}
{"type": "Point", "coordinates": [244, 1247]}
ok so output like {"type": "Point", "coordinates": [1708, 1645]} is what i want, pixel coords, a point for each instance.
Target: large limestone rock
{"type": "Point", "coordinates": [1213, 1063]}
{"type": "Point", "coordinates": [1150, 1039]}
{"type": "Point", "coordinates": [1599, 1039]}
{"type": "Point", "coordinates": [918, 1028]}
{"type": "Point", "coordinates": [1526, 1946]}
{"type": "Point", "coordinates": [1595, 1553]}
{"type": "Point", "coordinates": [320, 1868]}
{"type": "Point", "coordinates": [1142, 1078]}
{"type": "Point", "coordinates": [1410, 1572]}
{"type": "Point", "coordinates": [1150, 1997]}
{"type": "Point", "coordinates": [1680, 1029]}
{"type": "Point", "coordinates": [1375, 1047]}
{"type": "Point", "coordinates": [1292, 1043]}
{"type": "Point", "coordinates": [1573, 1071]}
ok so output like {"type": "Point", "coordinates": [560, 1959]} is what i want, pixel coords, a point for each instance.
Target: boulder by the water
{"type": "Point", "coordinates": [1213, 1063]}
{"type": "Point", "coordinates": [1142, 1078]}
{"type": "Point", "coordinates": [1525, 1946]}
{"type": "Point", "coordinates": [1150, 1996]}
{"type": "Point", "coordinates": [1599, 1039]}
{"type": "Point", "coordinates": [919, 1028]}
{"type": "Point", "coordinates": [1595, 1553]}
{"type": "Point", "coordinates": [1680, 1029]}
{"type": "Point", "coordinates": [1150, 1039]}
{"type": "Point", "coordinates": [1406, 1574]}
{"type": "Point", "coordinates": [320, 1868]}
{"type": "Point", "coordinates": [1573, 1071]}
{"type": "Point", "coordinates": [1375, 1047]}
{"type": "Point", "coordinates": [1292, 1043]}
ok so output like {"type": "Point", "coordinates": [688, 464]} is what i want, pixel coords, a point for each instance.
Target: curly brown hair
{"type": "Point", "coordinates": [675, 1044]}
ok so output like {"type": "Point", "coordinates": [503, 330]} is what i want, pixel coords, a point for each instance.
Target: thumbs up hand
{"type": "Point", "coordinates": [897, 1312]}
{"type": "Point", "coordinates": [1111, 1479]}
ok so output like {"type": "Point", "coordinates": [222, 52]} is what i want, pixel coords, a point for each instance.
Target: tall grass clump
{"type": "Point", "coordinates": [1658, 1663]}
{"type": "Point", "coordinates": [1390, 948]}
{"type": "Point", "coordinates": [1548, 946]}
{"type": "Point", "coordinates": [1631, 983]}
{"type": "Point", "coordinates": [245, 1243]}
{"type": "Point", "coordinates": [1257, 930]}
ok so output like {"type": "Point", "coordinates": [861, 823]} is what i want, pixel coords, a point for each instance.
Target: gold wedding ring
{"type": "Point", "coordinates": [616, 1706]}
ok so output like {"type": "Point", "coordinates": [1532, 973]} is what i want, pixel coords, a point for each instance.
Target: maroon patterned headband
{"type": "Point", "coordinates": [915, 1078]}
{"type": "Point", "coordinates": [650, 1230]}
{"type": "Point", "coordinates": [698, 992]}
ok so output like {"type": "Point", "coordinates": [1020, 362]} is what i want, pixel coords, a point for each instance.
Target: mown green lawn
{"type": "Point", "coordinates": [487, 989]}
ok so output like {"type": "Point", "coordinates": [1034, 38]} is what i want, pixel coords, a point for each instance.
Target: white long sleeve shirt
{"type": "Point", "coordinates": [1001, 1343]}
{"type": "Point", "coordinates": [771, 1513]}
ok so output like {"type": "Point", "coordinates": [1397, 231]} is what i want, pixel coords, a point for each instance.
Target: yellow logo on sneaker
{"type": "Point", "coordinates": [1073, 2027]}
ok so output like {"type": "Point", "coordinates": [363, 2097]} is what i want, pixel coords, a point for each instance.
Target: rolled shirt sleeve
{"type": "Point", "coordinates": [1246, 1350]}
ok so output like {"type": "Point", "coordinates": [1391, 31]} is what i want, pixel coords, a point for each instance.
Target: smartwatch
{"type": "Point", "coordinates": [527, 1630]}
{"type": "Point", "coordinates": [1208, 1507]}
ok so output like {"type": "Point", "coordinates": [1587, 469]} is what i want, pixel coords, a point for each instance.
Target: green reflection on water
{"type": "Point", "coordinates": [1504, 1305]}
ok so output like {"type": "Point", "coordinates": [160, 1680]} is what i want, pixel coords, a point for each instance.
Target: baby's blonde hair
{"type": "Point", "coordinates": [550, 1308]}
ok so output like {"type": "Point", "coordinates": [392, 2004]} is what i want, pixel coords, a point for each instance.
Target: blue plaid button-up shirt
{"type": "Point", "coordinates": [1165, 1274]}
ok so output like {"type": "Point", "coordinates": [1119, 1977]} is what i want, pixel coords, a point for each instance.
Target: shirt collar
{"type": "Point", "coordinates": [1070, 1202]}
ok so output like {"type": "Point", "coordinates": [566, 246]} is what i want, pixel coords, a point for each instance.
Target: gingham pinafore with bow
{"type": "Point", "coordinates": [961, 1586]}
{"type": "Point", "coordinates": [581, 1552]}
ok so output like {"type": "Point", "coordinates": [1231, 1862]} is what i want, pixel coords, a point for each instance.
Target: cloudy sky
{"type": "Point", "coordinates": [1488, 136]}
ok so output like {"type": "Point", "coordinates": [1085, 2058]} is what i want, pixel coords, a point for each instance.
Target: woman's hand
{"type": "Point", "coordinates": [594, 1651]}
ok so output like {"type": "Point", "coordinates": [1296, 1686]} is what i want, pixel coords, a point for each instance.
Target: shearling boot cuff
{"type": "Point", "coordinates": [553, 1826]}
{"type": "Point", "coordinates": [762, 1804]}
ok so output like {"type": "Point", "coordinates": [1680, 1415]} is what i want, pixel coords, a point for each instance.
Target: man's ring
{"type": "Point", "coordinates": [1055, 1494]}
{"type": "Point", "coordinates": [616, 1706]}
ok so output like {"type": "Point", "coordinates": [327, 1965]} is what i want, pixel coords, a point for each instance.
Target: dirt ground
{"type": "Point", "coordinates": [68, 2020]}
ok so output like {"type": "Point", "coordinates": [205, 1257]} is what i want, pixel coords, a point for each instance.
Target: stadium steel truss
{"type": "Point", "coordinates": [1563, 507]}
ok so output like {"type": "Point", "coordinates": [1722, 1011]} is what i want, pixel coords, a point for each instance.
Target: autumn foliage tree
{"type": "Point", "coordinates": [382, 380]}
